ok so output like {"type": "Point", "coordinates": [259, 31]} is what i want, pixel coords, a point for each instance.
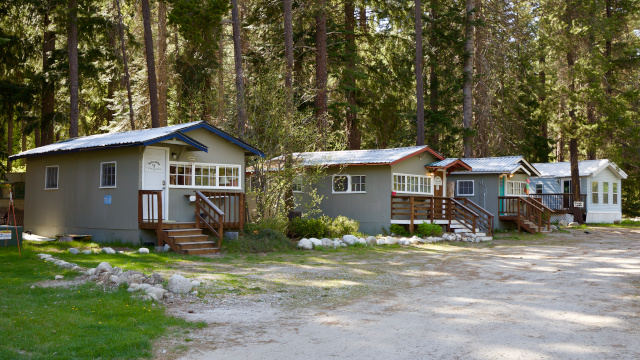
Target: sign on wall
{"type": "Point", "coordinates": [5, 234]}
{"type": "Point", "coordinates": [107, 199]}
{"type": "Point", "coordinates": [153, 165]}
{"type": "Point", "coordinates": [437, 181]}
{"type": "Point", "coordinates": [578, 204]}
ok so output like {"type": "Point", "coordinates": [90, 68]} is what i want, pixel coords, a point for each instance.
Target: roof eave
{"type": "Point", "coordinates": [418, 152]}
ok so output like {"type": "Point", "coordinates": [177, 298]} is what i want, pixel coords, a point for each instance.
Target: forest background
{"type": "Point", "coordinates": [472, 78]}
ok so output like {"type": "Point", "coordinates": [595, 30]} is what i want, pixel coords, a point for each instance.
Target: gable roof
{"type": "Point", "coordinates": [585, 168]}
{"type": "Point", "coordinates": [361, 157]}
{"type": "Point", "coordinates": [135, 138]}
{"type": "Point", "coordinates": [498, 165]}
{"type": "Point", "coordinates": [449, 163]}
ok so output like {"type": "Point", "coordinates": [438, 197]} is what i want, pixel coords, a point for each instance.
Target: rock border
{"type": "Point", "coordinates": [352, 240]}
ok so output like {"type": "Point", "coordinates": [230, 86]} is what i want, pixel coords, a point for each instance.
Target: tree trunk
{"type": "Point", "coordinates": [72, 47]}
{"type": "Point", "coordinates": [607, 50]}
{"type": "Point", "coordinates": [162, 62]}
{"type": "Point", "coordinates": [573, 141]}
{"type": "Point", "coordinates": [44, 135]}
{"type": "Point", "coordinates": [362, 21]}
{"type": "Point", "coordinates": [221, 101]}
{"type": "Point", "coordinates": [9, 135]}
{"type": "Point", "coordinates": [151, 64]}
{"type": "Point", "coordinates": [237, 55]}
{"type": "Point", "coordinates": [321, 68]}
{"type": "Point", "coordinates": [353, 131]}
{"type": "Point", "coordinates": [433, 76]}
{"type": "Point", "coordinates": [542, 97]}
{"type": "Point", "coordinates": [418, 72]}
{"type": "Point", "coordinates": [126, 67]}
{"type": "Point", "coordinates": [467, 104]}
{"type": "Point", "coordinates": [288, 47]}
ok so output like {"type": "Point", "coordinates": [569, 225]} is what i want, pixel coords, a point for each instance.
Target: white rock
{"type": "Point", "coordinates": [108, 250]}
{"type": "Point", "coordinates": [361, 241]}
{"type": "Point", "coordinates": [59, 277]}
{"type": "Point", "coordinates": [349, 239]}
{"type": "Point", "coordinates": [458, 237]}
{"type": "Point", "coordinates": [195, 283]}
{"type": "Point", "coordinates": [87, 252]}
{"type": "Point", "coordinates": [381, 241]}
{"type": "Point", "coordinates": [573, 224]}
{"type": "Point", "coordinates": [153, 297]}
{"type": "Point", "coordinates": [435, 239]}
{"type": "Point", "coordinates": [194, 293]}
{"type": "Point", "coordinates": [44, 256]}
{"type": "Point", "coordinates": [77, 268]}
{"type": "Point", "coordinates": [414, 240]}
{"type": "Point", "coordinates": [178, 284]}
{"type": "Point", "coordinates": [113, 279]}
{"type": "Point", "coordinates": [90, 272]}
{"type": "Point", "coordinates": [315, 242]}
{"type": "Point", "coordinates": [143, 251]}
{"type": "Point", "coordinates": [404, 241]}
{"type": "Point", "coordinates": [102, 267]}
{"type": "Point", "coordinates": [59, 262]}
{"type": "Point", "coordinates": [326, 242]}
{"type": "Point", "coordinates": [159, 286]}
{"type": "Point", "coordinates": [390, 240]}
{"type": "Point", "coordinates": [554, 228]}
{"type": "Point", "coordinates": [473, 235]}
{"type": "Point", "coordinates": [305, 244]}
{"type": "Point", "coordinates": [74, 251]}
{"type": "Point", "coordinates": [343, 244]}
{"type": "Point", "coordinates": [563, 222]}
{"type": "Point", "coordinates": [143, 287]}
{"type": "Point", "coordinates": [33, 286]}
{"type": "Point", "coordinates": [159, 293]}
{"type": "Point", "coordinates": [336, 243]}
{"type": "Point", "coordinates": [371, 240]}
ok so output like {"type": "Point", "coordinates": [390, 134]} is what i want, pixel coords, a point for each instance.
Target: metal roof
{"type": "Point", "coordinates": [585, 168]}
{"type": "Point", "coordinates": [134, 138]}
{"type": "Point", "coordinates": [498, 165]}
{"type": "Point", "coordinates": [361, 157]}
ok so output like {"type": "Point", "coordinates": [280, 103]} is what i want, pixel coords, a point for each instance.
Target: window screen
{"type": "Point", "coordinates": [51, 177]}
{"type": "Point", "coordinates": [465, 187]}
{"type": "Point", "coordinates": [108, 174]}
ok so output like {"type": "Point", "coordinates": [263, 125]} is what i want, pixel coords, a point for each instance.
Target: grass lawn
{"type": "Point", "coordinates": [80, 322]}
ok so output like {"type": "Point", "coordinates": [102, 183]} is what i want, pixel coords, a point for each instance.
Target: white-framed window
{"type": "Point", "coordinates": [108, 174]}
{"type": "Point", "coordinates": [413, 184]}
{"type": "Point", "coordinates": [51, 177]}
{"type": "Point", "coordinates": [348, 184]}
{"type": "Point", "coordinates": [464, 188]}
{"type": "Point", "coordinates": [297, 184]}
{"type": "Point", "coordinates": [615, 193]}
{"type": "Point", "coordinates": [516, 188]}
{"type": "Point", "coordinates": [605, 192]}
{"type": "Point", "coordinates": [594, 192]}
{"type": "Point", "coordinates": [539, 188]}
{"type": "Point", "coordinates": [202, 175]}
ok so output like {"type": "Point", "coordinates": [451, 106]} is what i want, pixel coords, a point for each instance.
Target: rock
{"type": "Point", "coordinates": [143, 251]}
{"type": "Point", "coordinates": [143, 287]}
{"type": "Point", "coordinates": [326, 242]}
{"type": "Point", "coordinates": [113, 279]}
{"type": "Point", "coordinates": [74, 251]}
{"type": "Point", "coordinates": [342, 244]}
{"type": "Point", "coordinates": [194, 293]}
{"type": "Point", "coordinates": [108, 250]}
{"type": "Point", "coordinates": [178, 284]}
{"type": "Point", "coordinates": [44, 256]}
{"type": "Point", "coordinates": [195, 283]}
{"type": "Point", "coordinates": [472, 235]}
{"type": "Point", "coordinates": [349, 239]}
{"type": "Point", "coordinates": [381, 241]}
{"type": "Point", "coordinates": [90, 272]}
{"type": "Point", "coordinates": [563, 222]}
{"type": "Point", "coordinates": [87, 252]}
{"type": "Point", "coordinates": [157, 278]}
{"type": "Point", "coordinates": [59, 262]}
{"type": "Point", "coordinates": [59, 277]}
{"type": "Point", "coordinates": [458, 237]}
{"type": "Point", "coordinates": [102, 267]}
{"type": "Point", "coordinates": [404, 241]}
{"type": "Point", "coordinates": [361, 241]}
{"type": "Point", "coordinates": [67, 265]}
{"type": "Point", "coordinates": [145, 298]}
{"type": "Point", "coordinates": [157, 292]}
{"type": "Point", "coordinates": [315, 242]}
{"type": "Point", "coordinates": [573, 223]}
{"type": "Point", "coordinates": [336, 243]}
{"type": "Point", "coordinates": [305, 244]}
{"type": "Point", "coordinates": [33, 286]}
{"type": "Point", "coordinates": [390, 240]}
{"type": "Point", "coordinates": [437, 239]}
{"type": "Point", "coordinates": [617, 221]}
{"type": "Point", "coordinates": [415, 240]}
{"type": "Point", "coordinates": [371, 240]}
{"type": "Point", "coordinates": [554, 228]}
{"type": "Point", "coordinates": [78, 269]}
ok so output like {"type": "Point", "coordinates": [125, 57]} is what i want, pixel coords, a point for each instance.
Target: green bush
{"type": "Point", "coordinates": [426, 229]}
{"type": "Point", "coordinates": [259, 241]}
{"type": "Point", "coordinates": [272, 224]}
{"type": "Point", "coordinates": [398, 230]}
{"type": "Point", "coordinates": [342, 225]}
{"type": "Point", "coordinates": [306, 227]}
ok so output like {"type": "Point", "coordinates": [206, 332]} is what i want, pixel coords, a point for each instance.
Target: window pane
{"type": "Point", "coordinates": [108, 175]}
{"type": "Point", "coordinates": [594, 192]}
{"type": "Point", "coordinates": [340, 183]}
{"type": "Point", "coordinates": [51, 177]}
{"type": "Point", "coordinates": [605, 192]}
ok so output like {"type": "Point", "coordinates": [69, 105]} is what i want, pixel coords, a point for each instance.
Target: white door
{"type": "Point", "coordinates": [154, 177]}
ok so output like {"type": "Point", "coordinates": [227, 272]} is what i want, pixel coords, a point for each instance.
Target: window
{"type": "Point", "coordinates": [108, 174]}
{"type": "Point", "coordinates": [538, 188]}
{"type": "Point", "coordinates": [605, 192]}
{"type": "Point", "coordinates": [464, 187]}
{"type": "Point", "coordinates": [594, 192]}
{"type": "Point", "coordinates": [297, 184]}
{"type": "Point", "coordinates": [516, 188]}
{"type": "Point", "coordinates": [615, 193]}
{"type": "Point", "coordinates": [51, 177]}
{"type": "Point", "coordinates": [348, 184]}
{"type": "Point", "coordinates": [416, 184]}
{"type": "Point", "coordinates": [182, 174]}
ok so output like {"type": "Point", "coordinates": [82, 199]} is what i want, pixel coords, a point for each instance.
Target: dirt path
{"type": "Point", "coordinates": [566, 296]}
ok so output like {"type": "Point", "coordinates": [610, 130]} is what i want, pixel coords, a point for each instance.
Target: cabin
{"type": "Point", "coordinates": [12, 189]}
{"type": "Point", "coordinates": [500, 185]}
{"type": "Point", "coordinates": [162, 185]}
{"type": "Point", "coordinates": [390, 186]}
{"type": "Point", "coordinates": [600, 189]}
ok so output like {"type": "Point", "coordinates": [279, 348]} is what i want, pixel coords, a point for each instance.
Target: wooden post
{"type": "Point", "coordinates": [242, 209]}
{"type": "Point", "coordinates": [220, 229]}
{"type": "Point", "coordinates": [159, 195]}
{"type": "Point", "coordinates": [518, 202]}
{"type": "Point", "coordinates": [432, 209]}
{"type": "Point", "coordinates": [139, 208]}
{"type": "Point", "coordinates": [411, 215]}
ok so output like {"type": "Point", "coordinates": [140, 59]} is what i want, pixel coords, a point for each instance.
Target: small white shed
{"type": "Point", "coordinates": [600, 182]}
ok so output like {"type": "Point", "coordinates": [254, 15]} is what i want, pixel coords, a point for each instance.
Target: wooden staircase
{"type": "Point", "coordinates": [186, 238]}
{"type": "Point", "coordinates": [459, 228]}
{"type": "Point", "coordinates": [528, 213]}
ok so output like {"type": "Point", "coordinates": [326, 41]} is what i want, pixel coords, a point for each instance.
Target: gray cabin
{"type": "Point", "coordinates": [162, 185]}
{"type": "Point", "coordinates": [600, 188]}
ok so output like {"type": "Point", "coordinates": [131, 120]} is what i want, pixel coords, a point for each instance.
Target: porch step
{"type": "Point", "coordinates": [188, 238]}
{"type": "Point", "coordinates": [178, 225]}
{"type": "Point", "coordinates": [182, 232]}
{"type": "Point", "coordinates": [197, 245]}
{"type": "Point", "coordinates": [203, 251]}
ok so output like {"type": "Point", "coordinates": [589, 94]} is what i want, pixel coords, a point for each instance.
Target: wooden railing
{"type": "Point", "coordinates": [209, 216]}
{"type": "Point", "coordinates": [559, 203]}
{"type": "Point", "coordinates": [231, 204]}
{"type": "Point", "coordinates": [522, 209]}
{"type": "Point", "coordinates": [485, 219]}
{"type": "Point", "coordinates": [152, 218]}
{"type": "Point", "coordinates": [417, 207]}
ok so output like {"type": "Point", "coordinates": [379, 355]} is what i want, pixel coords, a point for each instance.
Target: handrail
{"type": "Point", "coordinates": [214, 223]}
{"type": "Point", "coordinates": [539, 202]}
{"type": "Point", "coordinates": [153, 208]}
{"type": "Point", "coordinates": [489, 216]}
{"type": "Point", "coordinates": [528, 209]}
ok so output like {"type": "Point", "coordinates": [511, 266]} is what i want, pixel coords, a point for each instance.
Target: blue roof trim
{"type": "Point", "coordinates": [226, 136]}
{"type": "Point", "coordinates": [180, 136]}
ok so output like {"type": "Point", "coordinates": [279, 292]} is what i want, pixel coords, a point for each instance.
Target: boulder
{"type": "Point", "coordinates": [326, 242]}
{"type": "Point", "coordinates": [67, 265]}
{"type": "Point", "coordinates": [143, 287]}
{"type": "Point", "coordinates": [113, 279]}
{"type": "Point", "coordinates": [178, 284]}
{"type": "Point", "coordinates": [315, 242]}
{"type": "Point", "coordinates": [59, 277]}
{"type": "Point", "coordinates": [102, 267]}
{"type": "Point", "coordinates": [157, 278]}
{"type": "Point", "coordinates": [87, 252]}
{"type": "Point", "coordinates": [563, 222]}
{"type": "Point", "coordinates": [143, 251]}
{"type": "Point", "coordinates": [74, 251]}
{"type": "Point", "coordinates": [108, 250]}
{"type": "Point", "coordinates": [390, 240]}
{"type": "Point", "coordinates": [157, 292]}
{"type": "Point", "coordinates": [554, 228]}
{"type": "Point", "coordinates": [195, 283]}
{"type": "Point", "coordinates": [78, 269]}
{"type": "Point", "coordinates": [349, 239]}
{"type": "Point", "coordinates": [381, 241]}
{"type": "Point", "coordinates": [371, 240]}
{"type": "Point", "coordinates": [361, 241]}
{"type": "Point", "coordinates": [164, 248]}
{"type": "Point", "coordinates": [573, 223]}
{"type": "Point", "coordinates": [458, 237]}
{"type": "Point", "coordinates": [44, 256]}
{"type": "Point", "coordinates": [415, 240]}
{"type": "Point", "coordinates": [90, 272]}
{"type": "Point", "coordinates": [404, 241]}
{"type": "Point", "coordinates": [305, 244]}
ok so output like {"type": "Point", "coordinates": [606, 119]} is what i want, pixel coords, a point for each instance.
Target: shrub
{"type": "Point", "coordinates": [306, 227]}
{"type": "Point", "coordinates": [426, 229]}
{"type": "Point", "coordinates": [272, 223]}
{"type": "Point", "coordinates": [398, 230]}
{"type": "Point", "coordinates": [342, 225]}
{"type": "Point", "coordinates": [260, 241]}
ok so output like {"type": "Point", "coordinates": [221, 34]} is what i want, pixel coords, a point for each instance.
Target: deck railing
{"type": "Point", "coordinates": [209, 216]}
{"type": "Point", "coordinates": [485, 219]}
{"type": "Point", "coordinates": [151, 201]}
{"type": "Point", "coordinates": [521, 208]}
{"type": "Point", "coordinates": [231, 204]}
{"type": "Point", "coordinates": [559, 203]}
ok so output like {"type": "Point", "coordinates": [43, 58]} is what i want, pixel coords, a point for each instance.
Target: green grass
{"type": "Point", "coordinates": [623, 224]}
{"type": "Point", "coordinates": [81, 322]}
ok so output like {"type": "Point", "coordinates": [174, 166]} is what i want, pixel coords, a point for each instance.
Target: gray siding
{"type": "Point", "coordinates": [486, 189]}
{"type": "Point", "coordinates": [78, 205]}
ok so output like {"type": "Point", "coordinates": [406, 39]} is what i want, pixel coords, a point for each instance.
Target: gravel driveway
{"type": "Point", "coordinates": [564, 296]}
